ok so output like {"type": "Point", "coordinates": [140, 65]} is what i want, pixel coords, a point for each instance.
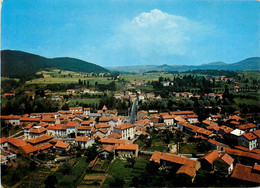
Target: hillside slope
{"type": "Point", "coordinates": [21, 64]}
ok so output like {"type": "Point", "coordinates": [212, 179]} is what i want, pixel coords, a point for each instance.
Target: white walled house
{"type": "Point", "coordinates": [84, 142]}
{"type": "Point", "coordinates": [248, 140]}
{"type": "Point", "coordinates": [86, 111]}
{"type": "Point", "coordinates": [168, 120]}
{"type": "Point", "coordinates": [126, 130]}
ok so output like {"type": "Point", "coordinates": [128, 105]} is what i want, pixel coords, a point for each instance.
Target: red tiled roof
{"type": "Point", "coordinates": [75, 108]}
{"type": "Point", "coordinates": [181, 112]}
{"type": "Point", "coordinates": [167, 117]}
{"type": "Point", "coordinates": [30, 119]}
{"type": "Point", "coordinates": [215, 142]}
{"type": "Point", "coordinates": [3, 140]}
{"type": "Point", "coordinates": [112, 141]}
{"type": "Point", "coordinates": [86, 109]}
{"type": "Point", "coordinates": [124, 126]}
{"type": "Point", "coordinates": [40, 139]}
{"type": "Point", "coordinates": [28, 126]}
{"type": "Point", "coordinates": [46, 119]}
{"type": "Point", "coordinates": [104, 108]}
{"type": "Point", "coordinates": [186, 169]}
{"type": "Point", "coordinates": [108, 148]}
{"type": "Point", "coordinates": [192, 116]}
{"type": "Point", "coordinates": [210, 123]}
{"type": "Point", "coordinates": [28, 148]}
{"type": "Point", "coordinates": [85, 128]}
{"type": "Point", "coordinates": [10, 117]}
{"type": "Point", "coordinates": [82, 139]}
{"type": "Point", "coordinates": [256, 167]}
{"type": "Point", "coordinates": [61, 144]}
{"type": "Point", "coordinates": [37, 130]}
{"type": "Point", "coordinates": [242, 153]}
{"type": "Point", "coordinates": [227, 159]}
{"type": "Point", "coordinates": [102, 125]}
{"type": "Point", "coordinates": [247, 126]}
{"type": "Point", "coordinates": [242, 148]}
{"type": "Point", "coordinates": [44, 147]}
{"type": "Point", "coordinates": [235, 122]}
{"type": "Point", "coordinates": [126, 147]}
{"type": "Point", "coordinates": [250, 136]}
{"type": "Point", "coordinates": [115, 135]}
{"type": "Point", "coordinates": [211, 156]}
{"type": "Point", "coordinates": [244, 172]}
{"type": "Point", "coordinates": [87, 122]}
{"type": "Point", "coordinates": [16, 142]}
{"type": "Point", "coordinates": [257, 133]}
{"type": "Point", "coordinates": [235, 117]}
{"type": "Point", "coordinates": [72, 124]}
{"type": "Point", "coordinates": [103, 130]}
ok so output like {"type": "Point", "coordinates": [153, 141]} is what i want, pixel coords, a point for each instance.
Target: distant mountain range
{"type": "Point", "coordinates": [252, 63]}
{"type": "Point", "coordinates": [18, 64]}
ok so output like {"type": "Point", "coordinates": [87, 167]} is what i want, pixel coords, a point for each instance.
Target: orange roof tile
{"type": "Point", "coordinates": [167, 117]}
{"type": "Point", "coordinates": [227, 159]}
{"type": "Point", "coordinates": [115, 135]}
{"type": "Point", "coordinates": [72, 124]}
{"type": "Point", "coordinates": [186, 169]}
{"type": "Point", "coordinates": [10, 117]}
{"type": "Point", "coordinates": [40, 139]}
{"type": "Point", "coordinates": [61, 144]}
{"type": "Point", "coordinates": [124, 126]}
{"type": "Point", "coordinates": [112, 141]}
{"type": "Point", "coordinates": [108, 148]}
{"type": "Point", "coordinates": [16, 142]}
{"type": "Point", "coordinates": [87, 122]}
{"type": "Point", "coordinates": [247, 126]}
{"type": "Point", "coordinates": [81, 128]}
{"type": "Point", "coordinates": [86, 109]}
{"type": "Point", "coordinates": [30, 119]}
{"type": "Point", "coordinates": [3, 140]}
{"type": "Point", "coordinates": [256, 167]}
{"type": "Point", "coordinates": [28, 148]}
{"type": "Point", "coordinates": [250, 136]}
{"type": "Point", "coordinates": [102, 125]}
{"type": "Point", "coordinates": [82, 139]}
{"type": "Point", "coordinates": [37, 130]}
{"type": "Point", "coordinates": [182, 112]}
{"type": "Point", "coordinates": [235, 117]}
{"type": "Point", "coordinates": [28, 126]}
{"type": "Point", "coordinates": [257, 133]}
{"type": "Point", "coordinates": [44, 147]}
{"type": "Point", "coordinates": [126, 147]}
{"type": "Point", "coordinates": [244, 172]}
{"type": "Point", "coordinates": [104, 108]}
{"type": "Point", "coordinates": [235, 122]}
{"type": "Point", "coordinates": [211, 156]}
{"type": "Point", "coordinates": [242, 153]}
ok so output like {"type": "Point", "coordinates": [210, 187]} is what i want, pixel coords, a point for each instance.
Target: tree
{"type": "Point", "coordinates": [33, 166]}
{"type": "Point", "coordinates": [117, 182]}
{"type": "Point", "coordinates": [66, 168]}
{"type": "Point", "coordinates": [91, 153]}
{"type": "Point", "coordinates": [50, 181]}
{"type": "Point", "coordinates": [131, 161]}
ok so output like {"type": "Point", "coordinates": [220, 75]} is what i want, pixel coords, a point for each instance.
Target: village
{"type": "Point", "coordinates": [231, 148]}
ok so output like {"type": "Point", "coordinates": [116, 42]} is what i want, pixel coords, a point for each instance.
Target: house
{"type": "Point", "coordinates": [141, 114]}
{"type": "Point", "coordinates": [3, 142]}
{"type": "Point", "coordinates": [126, 130]}
{"type": "Point", "coordinates": [105, 151]}
{"type": "Point", "coordinates": [39, 141]}
{"type": "Point", "coordinates": [71, 127]}
{"type": "Point", "coordinates": [247, 174]}
{"type": "Point", "coordinates": [126, 150]}
{"type": "Point", "coordinates": [27, 150]}
{"type": "Point", "coordinates": [15, 143]}
{"type": "Point", "coordinates": [27, 129]}
{"type": "Point", "coordinates": [192, 119]}
{"type": "Point", "coordinates": [84, 142]}
{"type": "Point", "coordinates": [207, 161]}
{"type": "Point", "coordinates": [12, 119]}
{"type": "Point", "coordinates": [102, 132]}
{"type": "Point", "coordinates": [26, 120]}
{"type": "Point", "coordinates": [168, 120]}
{"type": "Point", "coordinates": [85, 130]}
{"type": "Point", "coordinates": [257, 133]}
{"type": "Point", "coordinates": [62, 146]}
{"type": "Point", "coordinates": [86, 111]}
{"type": "Point", "coordinates": [88, 123]}
{"type": "Point", "coordinates": [36, 131]}
{"type": "Point", "coordinates": [224, 164]}
{"type": "Point", "coordinates": [208, 123]}
{"type": "Point", "coordinates": [70, 91]}
{"type": "Point", "coordinates": [215, 145]}
{"type": "Point", "coordinates": [249, 127]}
{"type": "Point", "coordinates": [235, 135]}
{"type": "Point", "coordinates": [111, 141]}
{"type": "Point", "coordinates": [181, 164]}
{"type": "Point", "coordinates": [248, 140]}
{"type": "Point", "coordinates": [76, 109]}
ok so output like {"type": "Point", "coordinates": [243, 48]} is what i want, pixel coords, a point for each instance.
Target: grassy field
{"type": "Point", "coordinates": [247, 101]}
{"type": "Point", "coordinates": [188, 148]}
{"type": "Point", "coordinates": [119, 169]}
{"type": "Point", "coordinates": [73, 178]}
{"type": "Point", "coordinates": [139, 77]}
{"type": "Point", "coordinates": [85, 101]}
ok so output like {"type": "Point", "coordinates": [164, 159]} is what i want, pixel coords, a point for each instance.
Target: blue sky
{"type": "Point", "coordinates": [133, 32]}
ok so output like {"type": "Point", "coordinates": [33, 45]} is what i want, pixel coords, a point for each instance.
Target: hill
{"type": "Point", "coordinates": [252, 63]}
{"type": "Point", "coordinates": [18, 64]}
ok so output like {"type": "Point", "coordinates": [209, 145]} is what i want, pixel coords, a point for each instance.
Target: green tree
{"type": "Point", "coordinates": [51, 181]}
{"type": "Point", "coordinates": [131, 161]}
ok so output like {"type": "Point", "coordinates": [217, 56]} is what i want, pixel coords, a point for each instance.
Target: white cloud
{"type": "Point", "coordinates": [151, 35]}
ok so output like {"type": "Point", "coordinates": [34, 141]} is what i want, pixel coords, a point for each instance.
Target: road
{"type": "Point", "coordinates": [132, 118]}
